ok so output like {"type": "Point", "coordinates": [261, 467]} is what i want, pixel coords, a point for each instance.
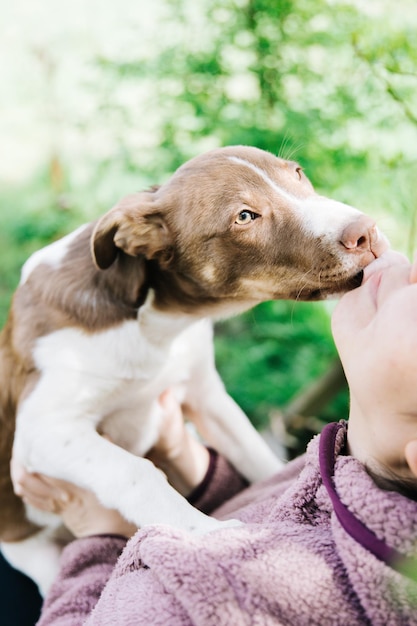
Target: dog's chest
{"type": "Point", "coordinates": [121, 368]}
{"type": "Point", "coordinates": [120, 352]}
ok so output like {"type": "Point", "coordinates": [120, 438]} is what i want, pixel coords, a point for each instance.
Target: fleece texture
{"type": "Point", "coordinates": [289, 563]}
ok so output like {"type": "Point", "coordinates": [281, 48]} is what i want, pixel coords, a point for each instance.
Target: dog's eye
{"type": "Point", "coordinates": [299, 172]}
{"type": "Point", "coordinates": [245, 217]}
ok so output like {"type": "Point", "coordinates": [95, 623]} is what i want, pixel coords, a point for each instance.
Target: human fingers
{"type": "Point", "coordinates": [36, 491]}
{"type": "Point", "coordinates": [79, 508]}
{"type": "Point", "coordinates": [390, 257]}
{"type": "Point", "coordinates": [169, 403]}
{"type": "Point", "coordinates": [413, 273]}
{"type": "Point", "coordinates": [411, 455]}
{"type": "Point", "coordinates": [27, 483]}
{"type": "Point", "coordinates": [172, 427]}
{"type": "Point", "coordinates": [85, 515]}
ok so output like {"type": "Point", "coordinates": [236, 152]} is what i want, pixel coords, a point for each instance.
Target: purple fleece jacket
{"type": "Point", "coordinates": [291, 562]}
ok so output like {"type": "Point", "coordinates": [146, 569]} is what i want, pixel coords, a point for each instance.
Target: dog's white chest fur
{"type": "Point", "coordinates": [113, 378]}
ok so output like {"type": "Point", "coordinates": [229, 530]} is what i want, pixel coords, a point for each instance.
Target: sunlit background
{"type": "Point", "coordinates": [99, 99]}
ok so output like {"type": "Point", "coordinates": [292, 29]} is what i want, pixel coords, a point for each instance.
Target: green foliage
{"type": "Point", "coordinates": [268, 354]}
{"type": "Point", "coordinates": [28, 220]}
{"type": "Point", "coordinates": [295, 76]}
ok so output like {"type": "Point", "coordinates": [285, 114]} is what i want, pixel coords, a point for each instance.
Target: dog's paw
{"type": "Point", "coordinates": [211, 524]}
{"type": "Point", "coordinates": [231, 523]}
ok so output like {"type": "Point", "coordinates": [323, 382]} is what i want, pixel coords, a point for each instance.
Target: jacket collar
{"type": "Point", "coordinates": [329, 448]}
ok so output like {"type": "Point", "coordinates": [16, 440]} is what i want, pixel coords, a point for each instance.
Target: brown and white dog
{"type": "Point", "coordinates": [108, 317]}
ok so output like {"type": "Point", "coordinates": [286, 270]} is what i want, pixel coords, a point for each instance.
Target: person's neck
{"type": "Point", "coordinates": [357, 435]}
{"type": "Point", "coordinates": [377, 446]}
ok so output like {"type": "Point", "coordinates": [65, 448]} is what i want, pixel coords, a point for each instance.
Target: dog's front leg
{"type": "Point", "coordinates": [218, 418]}
{"type": "Point", "coordinates": [132, 485]}
{"type": "Point", "coordinates": [223, 424]}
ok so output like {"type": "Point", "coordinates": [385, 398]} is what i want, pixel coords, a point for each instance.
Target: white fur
{"type": "Point", "coordinates": [115, 376]}
{"type": "Point", "coordinates": [51, 255]}
{"type": "Point", "coordinates": [323, 217]}
{"type": "Point", "coordinates": [266, 178]}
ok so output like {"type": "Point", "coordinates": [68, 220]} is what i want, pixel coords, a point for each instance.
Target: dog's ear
{"type": "Point", "coordinates": [135, 225]}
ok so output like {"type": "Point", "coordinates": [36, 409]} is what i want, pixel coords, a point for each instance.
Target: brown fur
{"type": "Point", "coordinates": [13, 523]}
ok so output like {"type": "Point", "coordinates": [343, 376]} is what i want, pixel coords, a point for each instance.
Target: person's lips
{"type": "Point", "coordinates": [391, 257]}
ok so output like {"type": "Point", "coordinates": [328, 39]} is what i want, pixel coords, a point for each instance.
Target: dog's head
{"type": "Point", "coordinates": [239, 224]}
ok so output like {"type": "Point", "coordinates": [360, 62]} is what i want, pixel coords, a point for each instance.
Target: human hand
{"type": "Point", "coordinates": [410, 454]}
{"type": "Point", "coordinates": [388, 258]}
{"type": "Point", "coordinates": [177, 453]}
{"type": "Point", "coordinates": [182, 458]}
{"type": "Point", "coordinates": [80, 510]}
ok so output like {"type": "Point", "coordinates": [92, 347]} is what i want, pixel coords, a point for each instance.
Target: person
{"type": "Point", "coordinates": [330, 540]}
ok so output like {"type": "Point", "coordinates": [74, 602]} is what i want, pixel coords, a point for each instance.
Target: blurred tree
{"type": "Point", "coordinates": [299, 77]}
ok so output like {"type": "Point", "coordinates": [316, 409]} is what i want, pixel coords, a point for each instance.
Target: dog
{"type": "Point", "coordinates": [114, 313]}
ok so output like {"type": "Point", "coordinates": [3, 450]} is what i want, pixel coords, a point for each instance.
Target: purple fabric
{"type": "Point", "coordinates": [356, 529]}
{"type": "Point", "coordinates": [291, 562]}
{"type": "Point", "coordinates": [198, 492]}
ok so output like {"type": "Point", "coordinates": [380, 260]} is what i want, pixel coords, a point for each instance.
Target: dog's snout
{"type": "Point", "coordinates": [360, 234]}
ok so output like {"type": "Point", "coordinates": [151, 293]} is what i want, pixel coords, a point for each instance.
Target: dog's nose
{"type": "Point", "coordinates": [360, 234]}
